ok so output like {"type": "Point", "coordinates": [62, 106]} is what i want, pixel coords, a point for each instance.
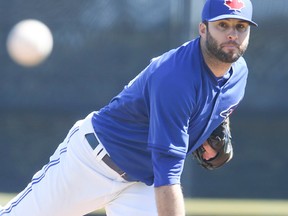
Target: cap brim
{"type": "Point", "coordinates": [232, 17]}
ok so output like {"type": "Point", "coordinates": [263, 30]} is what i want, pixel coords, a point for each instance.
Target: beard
{"type": "Point", "coordinates": [216, 50]}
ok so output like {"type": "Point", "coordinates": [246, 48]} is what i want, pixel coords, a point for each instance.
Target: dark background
{"type": "Point", "coordinates": [99, 45]}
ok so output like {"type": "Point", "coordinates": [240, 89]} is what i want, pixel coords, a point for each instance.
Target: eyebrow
{"type": "Point", "coordinates": [238, 20]}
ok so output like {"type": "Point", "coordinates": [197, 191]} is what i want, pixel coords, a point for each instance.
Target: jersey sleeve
{"type": "Point", "coordinates": [169, 114]}
{"type": "Point", "coordinates": [167, 169]}
{"type": "Point", "coordinates": [170, 109]}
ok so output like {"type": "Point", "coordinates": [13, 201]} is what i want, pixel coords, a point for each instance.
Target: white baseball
{"type": "Point", "coordinates": [29, 42]}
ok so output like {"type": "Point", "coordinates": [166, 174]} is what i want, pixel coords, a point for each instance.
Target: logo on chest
{"type": "Point", "coordinates": [226, 113]}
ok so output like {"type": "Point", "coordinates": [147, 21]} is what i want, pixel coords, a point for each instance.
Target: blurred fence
{"type": "Point", "coordinates": [99, 46]}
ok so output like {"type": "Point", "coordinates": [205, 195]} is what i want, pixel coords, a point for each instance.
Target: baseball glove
{"type": "Point", "coordinates": [220, 141]}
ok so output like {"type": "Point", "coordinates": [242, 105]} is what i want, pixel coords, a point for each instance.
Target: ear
{"type": "Point", "coordinates": [202, 29]}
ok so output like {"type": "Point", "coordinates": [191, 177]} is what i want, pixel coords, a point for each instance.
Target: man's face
{"type": "Point", "coordinates": [227, 40]}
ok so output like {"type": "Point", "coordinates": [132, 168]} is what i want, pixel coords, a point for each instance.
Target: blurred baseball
{"type": "Point", "coordinates": [29, 42]}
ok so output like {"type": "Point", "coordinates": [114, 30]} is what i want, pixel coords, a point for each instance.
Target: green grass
{"type": "Point", "coordinates": [5, 197]}
{"type": "Point", "coordinates": [218, 207]}
{"type": "Point", "coordinates": [236, 207]}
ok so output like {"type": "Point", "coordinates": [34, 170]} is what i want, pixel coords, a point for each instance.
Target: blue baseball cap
{"type": "Point", "coordinates": [228, 9]}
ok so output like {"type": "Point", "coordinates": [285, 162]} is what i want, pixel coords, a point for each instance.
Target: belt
{"type": "Point", "coordinates": [93, 142]}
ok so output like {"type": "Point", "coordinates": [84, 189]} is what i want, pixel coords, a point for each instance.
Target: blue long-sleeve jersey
{"type": "Point", "coordinates": [166, 112]}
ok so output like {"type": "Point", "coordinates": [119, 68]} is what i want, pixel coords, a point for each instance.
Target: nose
{"type": "Point", "coordinates": [233, 34]}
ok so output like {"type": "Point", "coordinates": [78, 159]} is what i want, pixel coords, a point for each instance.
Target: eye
{"type": "Point", "coordinates": [242, 27]}
{"type": "Point", "coordinates": [223, 25]}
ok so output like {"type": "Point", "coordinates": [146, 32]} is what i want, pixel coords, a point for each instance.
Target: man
{"type": "Point", "coordinates": [128, 157]}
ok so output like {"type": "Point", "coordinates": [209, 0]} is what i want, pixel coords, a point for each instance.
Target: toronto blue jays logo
{"type": "Point", "coordinates": [234, 4]}
{"type": "Point", "coordinates": [226, 113]}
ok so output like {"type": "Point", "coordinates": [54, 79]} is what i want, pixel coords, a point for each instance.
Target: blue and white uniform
{"type": "Point", "coordinates": [114, 157]}
{"type": "Point", "coordinates": [167, 112]}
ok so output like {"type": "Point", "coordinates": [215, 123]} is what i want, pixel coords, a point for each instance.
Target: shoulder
{"type": "Point", "coordinates": [240, 68]}
{"type": "Point", "coordinates": [174, 69]}
{"type": "Point", "coordinates": [240, 64]}
{"type": "Point", "coordinates": [177, 63]}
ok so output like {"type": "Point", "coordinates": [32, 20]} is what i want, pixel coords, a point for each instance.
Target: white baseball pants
{"type": "Point", "coordinates": [76, 182]}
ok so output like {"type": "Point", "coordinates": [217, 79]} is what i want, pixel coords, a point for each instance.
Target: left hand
{"type": "Point", "coordinates": [209, 152]}
{"type": "Point", "coordinates": [219, 142]}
